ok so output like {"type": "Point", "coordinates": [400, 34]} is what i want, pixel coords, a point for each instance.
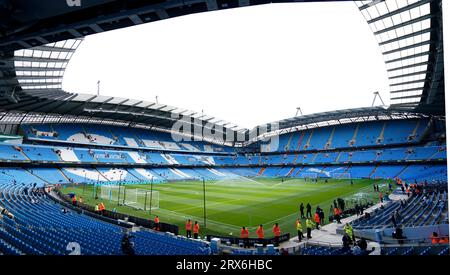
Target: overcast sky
{"type": "Point", "coordinates": [247, 65]}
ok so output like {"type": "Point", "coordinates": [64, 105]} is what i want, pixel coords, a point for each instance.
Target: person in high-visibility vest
{"type": "Point", "coordinates": [348, 229]}
{"type": "Point", "coordinates": [96, 209]}
{"type": "Point", "coordinates": [80, 199]}
{"type": "Point", "coordinates": [309, 227]}
{"type": "Point", "coordinates": [156, 220]}
{"type": "Point", "coordinates": [196, 230]}
{"type": "Point", "coordinates": [244, 237]}
{"type": "Point", "coordinates": [317, 220]}
{"type": "Point", "coordinates": [298, 226]}
{"type": "Point", "coordinates": [260, 233]}
{"type": "Point", "coordinates": [189, 229]}
{"type": "Point", "coordinates": [276, 232]}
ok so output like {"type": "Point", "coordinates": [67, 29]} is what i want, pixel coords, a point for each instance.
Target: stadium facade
{"type": "Point", "coordinates": [52, 138]}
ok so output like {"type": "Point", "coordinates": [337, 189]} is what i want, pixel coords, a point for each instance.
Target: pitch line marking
{"type": "Point", "coordinates": [208, 204]}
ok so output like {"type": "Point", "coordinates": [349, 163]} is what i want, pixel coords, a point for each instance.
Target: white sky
{"type": "Point", "coordinates": [247, 65]}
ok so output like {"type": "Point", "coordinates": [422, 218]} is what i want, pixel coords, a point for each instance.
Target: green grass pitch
{"type": "Point", "coordinates": [231, 204]}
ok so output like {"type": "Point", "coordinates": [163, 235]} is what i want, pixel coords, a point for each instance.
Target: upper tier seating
{"type": "Point", "coordinates": [115, 136]}
{"type": "Point", "coordinates": [375, 133]}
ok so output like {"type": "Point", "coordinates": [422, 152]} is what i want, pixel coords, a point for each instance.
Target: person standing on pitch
{"type": "Point", "coordinates": [308, 211]}
{"type": "Point", "coordinates": [196, 230]}
{"type": "Point", "coordinates": [260, 233]}
{"type": "Point", "coordinates": [244, 237]}
{"type": "Point", "coordinates": [298, 226]}
{"type": "Point", "coordinates": [189, 229]}
{"type": "Point", "coordinates": [276, 232]}
{"type": "Point", "coordinates": [302, 211]}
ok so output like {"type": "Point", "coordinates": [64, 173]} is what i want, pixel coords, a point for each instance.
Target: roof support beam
{"type": "Point", "coordinates": [424, 43]}
{"type": "Point", "coordinates": [32, 77]}
{"type": "Point", "coordinates": [39, 69]}
{"type": "Point", "coordinates": [370, 4]}
{"type": "Point", "coordinates": [407, 90]}
{"type": "Point", "coordinates": [411, 74]}
{"type": "Point", "coordinates": [38, 59]}
{"type": "Point", "coordinates": [424, 31]}
{"type": "Point", "coordinates": [409, 56]}
{"type": "Point", "coordinates": [408, 82]}
{"type": "Point", "coordinates": [398, 11]}
{"type": "Point", "coordinates": [409, 66]}
{"type": "Point", "coordinates": [40, 84]}
{"type": "Point", "coordinates": [406, 23]}
{"type": "Point", "coordinates": [407, 97]}
{"type": "Point", "coordinates": [53, 49]}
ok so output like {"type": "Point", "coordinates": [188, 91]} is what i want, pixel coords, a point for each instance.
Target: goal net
{"type": "Point", "coordinates": [111, 192]}
{"type": "Point", "coordinates": [310, 175]}
{"type": "Point", "coordinates": [340, 176]}
{"type": "Point", "coordinates": [141, 199]}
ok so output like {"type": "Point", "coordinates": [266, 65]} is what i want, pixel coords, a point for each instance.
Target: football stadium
{"type": "Point", "coordinates": [86, 174]}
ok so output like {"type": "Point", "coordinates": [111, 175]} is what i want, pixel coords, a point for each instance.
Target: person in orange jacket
{"type": "Point", "coordinates": [317, 220]}
{"type": "Point", "coordinates": [156, 220]}
{"type": "Point", "coordinates": [196, 230]}
{"type": "Point", "coordinates": [444, 240]}
{"type": "Point", "coordinates": [189, 229]}
{"type": "Point", "coordinates": [244, 237]}
{"type": "Point", "coordinates": [74, 200]}
{"type": "Point", "coordinates": [337, 215]}
{"type": "Point", "coordinates": [434, 238]}
{"type": "Point", "coordinates": [276, 232]}
{"type": "Point", "coordinates": [102, 208]}
{"type": "Point", "coordinates": [260, 233]}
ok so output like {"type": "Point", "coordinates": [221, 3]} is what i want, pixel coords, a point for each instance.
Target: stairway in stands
{"type": "Point", "coordinates": [20, 150]}
{"type": "Point", "coordinates": [309, 140]}
{"type": "Point", "coordinates": [373, 171]}
{"type": "Point", "coordinates": [287, 148]}
{"type": "Point", "coordinates": [290, 172]}
{"type": "Point", "coordinates": [300, 140]}
{"type": "Point", "coordinates": [381, 136]}
{"type": "Point", "coordinates": [401, 171]}
{"type": "Point", "coordinates": [330, 139]}
{"type": "Point", "coordinates": [355, 134]}
{"type": "Point", "coordinates": [261, 171]}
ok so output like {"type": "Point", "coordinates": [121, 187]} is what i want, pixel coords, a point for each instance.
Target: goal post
{"type": "Point", "coordinates": [111, 192]}
{"type": "Point", "coordinates": [341, 176]}
{"type": "Point", "coordinates": [141, 199]}
{"type": "Point", "coordinates": [345, 177]}
{"type": "Point", "coordinates": [309, 175]}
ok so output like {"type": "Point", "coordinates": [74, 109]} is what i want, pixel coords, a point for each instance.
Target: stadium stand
{"type": "Point", "coordinates": [39, 227]}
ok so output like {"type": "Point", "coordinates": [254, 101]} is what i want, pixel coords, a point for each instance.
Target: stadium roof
{"type": "Point", "coordinates": [410, 37]}
{"type": "Point", "coordinates": [37, 41]}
